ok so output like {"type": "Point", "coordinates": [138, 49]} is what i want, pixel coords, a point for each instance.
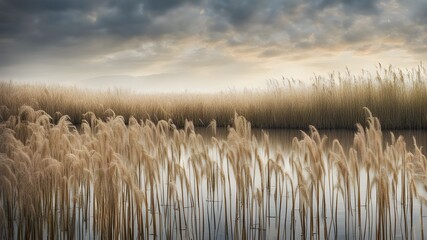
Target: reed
{"type": "Point", "coordinates": [144, 179]}
{"type": "Point", "coordinates": [396, 96]}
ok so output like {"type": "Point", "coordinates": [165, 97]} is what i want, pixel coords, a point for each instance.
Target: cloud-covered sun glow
{"type": "Point", "coordinates": [204, 45]}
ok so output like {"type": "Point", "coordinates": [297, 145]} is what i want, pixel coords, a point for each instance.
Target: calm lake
{"type": "Point", "coordinates": [156, 182]}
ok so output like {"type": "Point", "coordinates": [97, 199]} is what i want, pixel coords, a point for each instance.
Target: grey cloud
{"type": "Point", "coordinates": [360, 6]}
{"type": "Point", "coordinates": [270, 53]}
{"type": "Point", "coordinates": [82, 5]}
{"type": "Point", "coordinates": [52, 21]}
{"type": "Point", "coordinates": [58, 19]}
{"type": "Point", "coordinates": [77, 29]}
{"type": "Point", "coordinates": [415, 10]}
{"type": "Point", "coordinates": [237, 12]}
{"type": "Point", "coordinates": [64, 28]}
{"type": "Point", "coordinates": [243, 13]}
{"type": "Point", "coordinates": [421, 13]}
{"type": "Point", "coordinates": [47, 5]}
{"type": "Point", "coordinates": [164, 5]}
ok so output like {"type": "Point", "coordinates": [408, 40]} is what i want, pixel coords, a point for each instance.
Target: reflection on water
{"type": "Point", "coordinates": [349, 213]}
{"type": "Point", "coordinates": [152, 181]}
{"type": "Point", "coordinates": [282, 138]}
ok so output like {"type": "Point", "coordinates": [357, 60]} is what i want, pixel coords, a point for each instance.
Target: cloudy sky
{"type": "Point", "coordinates": [204, 45]}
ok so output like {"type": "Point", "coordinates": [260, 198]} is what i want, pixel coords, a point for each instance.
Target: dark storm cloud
{"type": "Point", "coordinates": [237, 12]}
{"type": "Point", "coordinates": [53, 19]}
{"type": "Point", "coordinates": [79, 29]}
{"type": "Point", "coordinates": [56, 20]}
{"type": "Point", "coordinates": [420, 15]}
{"type": "Point", "coordinates": [68, 27]}
{"type": "Point", "coordinates": [362, 6]}
{"type": "Point", "coordinates": [164, 5]}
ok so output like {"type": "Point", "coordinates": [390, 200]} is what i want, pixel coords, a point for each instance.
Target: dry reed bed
{"type": "Point", "coordinates": [397, 97]}
{"type": "Point", "coordinates": [144, 180]}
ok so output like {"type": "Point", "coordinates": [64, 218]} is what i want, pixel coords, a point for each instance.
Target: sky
{"type": "Point", "coordinates": [204, 45]}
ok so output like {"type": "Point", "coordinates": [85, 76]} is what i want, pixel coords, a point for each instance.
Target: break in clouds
{"type": "Point", "coordinates": [161, 37]}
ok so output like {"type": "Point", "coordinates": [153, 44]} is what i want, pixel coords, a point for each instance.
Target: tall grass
{"type": "Point", "coordinates": [149, 180]}
{"type": "Point", "coordinates": [397, 97]}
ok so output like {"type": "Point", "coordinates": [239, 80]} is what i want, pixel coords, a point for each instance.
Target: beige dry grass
{"type": "Point", "coordinates": [397, 97]}
{"type": "Point", "coordinates": [147, 180]}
